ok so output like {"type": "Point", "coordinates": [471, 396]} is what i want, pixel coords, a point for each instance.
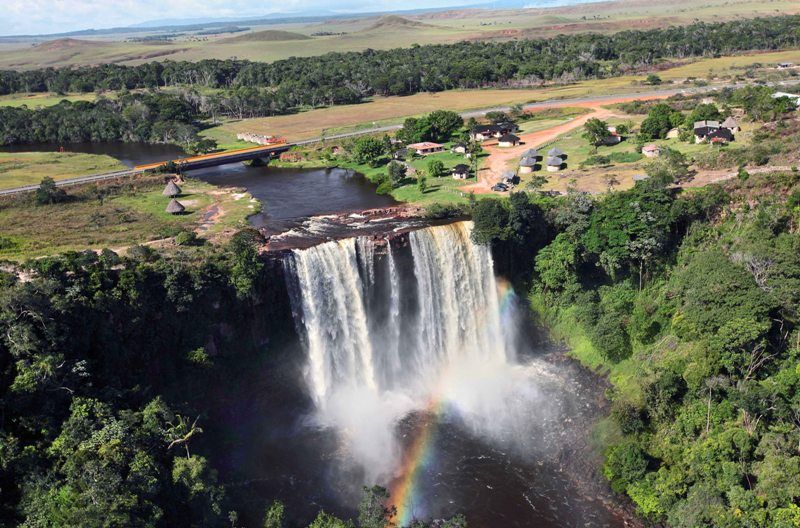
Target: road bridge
{"type": "Point", "coordinates": [204, 161]}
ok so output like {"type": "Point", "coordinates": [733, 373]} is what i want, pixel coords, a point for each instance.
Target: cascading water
{"type": "Point", "coordinates": [423, 328]}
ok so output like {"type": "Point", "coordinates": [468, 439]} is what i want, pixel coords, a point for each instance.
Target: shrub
{"type": "Point", "coordinates": [625, 464]}
{"type": "Point", "coordinates": [48, 193]}
{"type": "Point", "coordinates": [625, 157]}
{"type": "Point", "coordinates": [438, 211]}
{"type": "Point", "coordinates": [187, 238]}
{"type": "Point", "coordinates": [610, 337]}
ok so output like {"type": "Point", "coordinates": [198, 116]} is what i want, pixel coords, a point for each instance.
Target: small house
{"type": "Point", "coordinates": [554, 163]}
{"type": "Point", "coordinates": [425, 148]}
{"type": "Point", "coordinates": [459, 148]}
{"type": "Point", "coordinates": [400, 154]}
{"type": "Point", "coordinates": [172, 190]}
{"type": "Point", "coordinates": [460, 172]}
{"type": "Point", "coordinates": [674, 133]}
{"type": "Point", "coordinates": [532, 153]}
{"type": "Point", "coordinates": [484, 132]}
{"type": "Point", "coordinates": [527, 165]}
{"type": "Point", "coordinates": [613, 139]}
{"type": "Point", "coordinates": [508, 140]}
{"type": "Point", "coordinates": [556, 152]}
{"type": "Point", "coordinates": [703, 128]}
{"type": "Point", "coordinates": [651, 151]}
{"type": "Point", "coordinates": [731, 124]}
{"type": "Point", "coordinates": [508, 178]}
{"type": "Point", "coordinates": [175, 207]}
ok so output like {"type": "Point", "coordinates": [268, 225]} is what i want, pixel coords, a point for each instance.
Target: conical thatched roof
{"type": "Point", "coordinates": [530, 153]}
{"type": "Point", "coordinates": [555, 161]}
{"type": "Point", "coordinates": [171, 189]}
{"type": "Point", "coordinates": [527, 162]}
{"type": "Point", "coordinates": [175, 207]}
{"type": "Point", "coordinates": [555, 152]}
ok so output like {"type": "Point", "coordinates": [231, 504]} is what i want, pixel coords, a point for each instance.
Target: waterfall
{"type": "Point", "coordinates": [390, 328]}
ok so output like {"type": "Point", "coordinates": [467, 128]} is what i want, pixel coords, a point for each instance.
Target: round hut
{"type": "Point", "coordinates": [527, 165]}
{"type": "Point", "coordinates": [172, 190]}
{"type": "Point", "coordinates": [175, 207]}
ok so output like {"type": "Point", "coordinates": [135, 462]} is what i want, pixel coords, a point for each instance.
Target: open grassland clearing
{"type": "Point", "coordinates": [584, 170]}
{"type": "Point", "coordinates": [281, 41]}
{"type": "Point", "coordinates": [129, 215]}
{"type": "Point", "coordinates": [42, 100]}
{"type": "Point", "coordinates": [28, 168]}
{"type": "Point", "coordinates": [387, 111]}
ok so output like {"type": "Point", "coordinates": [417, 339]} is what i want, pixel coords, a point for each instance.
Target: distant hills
{"type": "Point", "coordinates": [269, 35]}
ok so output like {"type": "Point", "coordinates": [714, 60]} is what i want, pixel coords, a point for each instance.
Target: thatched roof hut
{"type": "Point", "coordinates": [171, 189]}
{"type": "Point", "coordinates": [175, 207]}
{"type": "Point", "coordinates": [555, 152]}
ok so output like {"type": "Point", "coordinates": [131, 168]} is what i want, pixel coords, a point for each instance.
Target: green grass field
{"type": "Point", "coordinates": [129, 218]}
{"type": "Point", "coordinates": [28, 168]}
{"type": "Point", "coordinates": [42, 100]}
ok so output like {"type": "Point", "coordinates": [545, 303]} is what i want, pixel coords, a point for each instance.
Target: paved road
{"type": "Point", "coordinates": [552, 103]}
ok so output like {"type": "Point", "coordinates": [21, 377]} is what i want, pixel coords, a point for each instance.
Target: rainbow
{"type": "Point", "coordinates": [405, 494]}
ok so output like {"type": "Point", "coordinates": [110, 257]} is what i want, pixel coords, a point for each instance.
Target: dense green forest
{"type": "Point", "coordinates": [690, 300]}
{"type": "Point", "coordinates": [149, 117]}
{"type": "Point", "coordinates": [341, 78]}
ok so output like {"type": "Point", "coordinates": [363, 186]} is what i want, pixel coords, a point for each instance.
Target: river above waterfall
{"type": "Point", "coordinates": [288, 196]}
{"type": "Point", "coordinates": [416, 369]}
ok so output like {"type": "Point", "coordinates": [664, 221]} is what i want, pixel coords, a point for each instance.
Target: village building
{"type": "Point", "coordinates": [400, 154]}
{"type": "Point", "coordinates": [556, 152]}
{"type": "Point", "coordinates": [508, 178]}
{"type": "Point", "coordinates": [508, 140]}
{"type": "Point", "coordinates": [171, 190]}
{"type": "Point", "coordinates": [731, 124]}
{"type": "Point", "coordinates": [425, 148]}
{"type": "Point", "coordinates": [533, 154]}
{"type": "Point", "coordinates": [175, 207]}
{"type": "Point", "coordinates": [711, 130]}
{"type": "Point", "coordinates": [613, 139]}
{"type": "Point", "coordinates": [460, 172]}
{"type": "Point", "coordinates": [259, 139]}
{"type": "Point", "coordinates": [793, 97]}
{"type": "Point", "coordinates": [651, 151]}
{"type": "Point", "coordinates": [527, 165]}
{"type": "Point", "coordinates": [459, 148]}
{"type": "Point", "coordinates": [554, 163]}
{"type": "Point", "coordinates": [484, 132]}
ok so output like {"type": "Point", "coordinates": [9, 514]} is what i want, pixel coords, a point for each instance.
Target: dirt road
{"type": "Point", "coordinates": [500, 159]}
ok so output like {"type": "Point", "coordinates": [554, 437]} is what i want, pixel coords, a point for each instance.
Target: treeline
{"type": "Point", "coordinates": [148, 117]}
{"type": "Point", "coordinates": [691, 300]}
{"type": "Point", "coordinates": [334, 78]}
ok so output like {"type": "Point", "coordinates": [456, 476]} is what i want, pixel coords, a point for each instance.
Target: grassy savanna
{"type": "Point", "coordinates": [41, 100]}
{"type": "Point", "coordinates": [387, 32]}
{"type": "Point", "coordinates": [385, 111]}
{"type": "Point", "coordinates": [28, 168]}
{"type": "Point", "coordinates": [594, 178]}
{"type": "Point", "coordinates": [128, 217]}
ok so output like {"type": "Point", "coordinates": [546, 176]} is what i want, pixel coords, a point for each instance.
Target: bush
{"type": "Point", "coordinates": [438, 211]}
{"type": "Point", "coordinates": [610, 337]}
{"type": "Point", "coordinates": [187, 238]}
{"type": "Point", "coordinates": [625, 157]}
{"type": "Point", "coordinates": [625, 464]}
{"type": "Point", "coordinates": [48, 193]}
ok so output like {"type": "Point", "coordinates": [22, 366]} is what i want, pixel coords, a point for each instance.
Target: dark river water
{"type": "Point", "coordinates": [265, 448]}
{"type": "Point", "coordinates": [287, 195]}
